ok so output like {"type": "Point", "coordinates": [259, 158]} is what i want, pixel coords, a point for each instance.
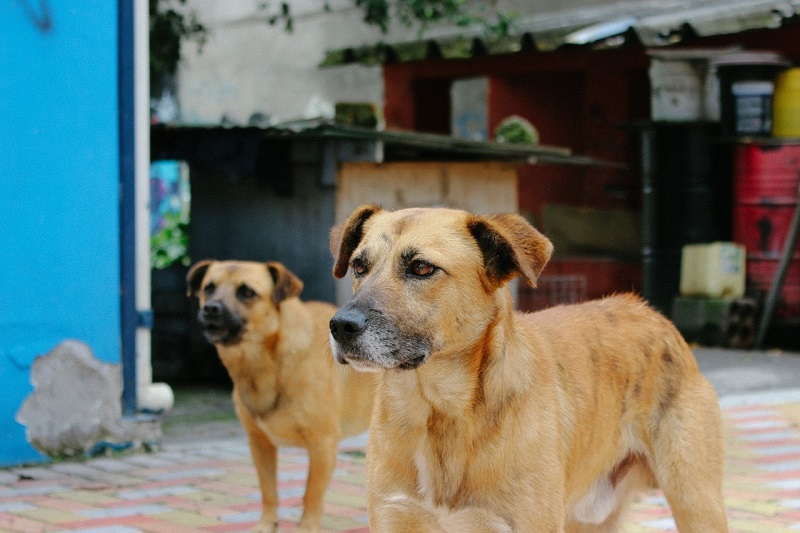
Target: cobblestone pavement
{"type": "Point", "coordinates": [191, 487]}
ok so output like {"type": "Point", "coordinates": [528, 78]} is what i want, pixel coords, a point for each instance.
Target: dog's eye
{"type": "Point", "coordinates": [421, 269]}
{"type": "Point", "coordinates": [358, 266]}
{"type": "Point", "coordinates": [209, 289]}
{"type": "Point", "coordinates": [245, 293]}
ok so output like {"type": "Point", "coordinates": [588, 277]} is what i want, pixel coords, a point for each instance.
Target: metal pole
{"type": "Point", "coordinates": [780, 275]}
{"type": "Point", "coordinates": [127, 204]}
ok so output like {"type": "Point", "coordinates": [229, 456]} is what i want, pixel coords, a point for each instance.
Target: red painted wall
{"type": "Point", "coordinates": [548, 102]}
{"type": "Point", "coordinates": [576, 98]}
{"type": "Point", "coordinates": [579, 98]}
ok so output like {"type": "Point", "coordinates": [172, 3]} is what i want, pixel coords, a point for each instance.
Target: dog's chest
{"type": "Point", "coordinates": [282, 429]}
{"type": "Point", "coordinates": [442, 468]}
{"type": "Point", "coordinates": [261, 397]}
{"type": "Point", "coordinates": [271, 408]}
{"type": "Point", "coordinates": [284, 424]}
{"type": "Point", "coordinates": [428, 471]}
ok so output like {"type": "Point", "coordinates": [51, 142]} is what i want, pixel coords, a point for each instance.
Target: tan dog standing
{"type": "Point", "coordinates": [287, 389]}
{"type": "Point", "coordinates": [490, 420]}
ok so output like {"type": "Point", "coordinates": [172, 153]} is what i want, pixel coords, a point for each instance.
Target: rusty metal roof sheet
{"type": "Point", "coordinates": [651, 22]}
{"type": "Point", "coordinates": [219, 142]}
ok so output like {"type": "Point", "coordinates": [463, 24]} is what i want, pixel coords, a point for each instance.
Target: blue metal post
{"type": "Point", "coordinates": [127, 205]}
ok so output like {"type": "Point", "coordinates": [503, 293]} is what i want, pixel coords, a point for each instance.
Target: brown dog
{"type": "Point", "coordinates": [287, 390]}
{"type": "Point", "coordinates": [490, 420]}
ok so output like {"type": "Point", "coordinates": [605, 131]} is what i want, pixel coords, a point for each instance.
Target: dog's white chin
{"type": "Point", "coordinates": [364, 366]}
{"type": "Point", "coordinates": [358, 364]}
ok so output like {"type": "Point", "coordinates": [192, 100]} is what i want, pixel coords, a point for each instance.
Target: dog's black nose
{"type": "Point", "coordinates": [213, 308]}
{"type": "Point", "coordinates": [347, 324]}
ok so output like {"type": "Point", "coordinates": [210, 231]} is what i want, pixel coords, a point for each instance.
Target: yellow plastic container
{"type": "Point", "coordinates": [715, 270]}
{"type": "Point", "coordinates": [786, 104]}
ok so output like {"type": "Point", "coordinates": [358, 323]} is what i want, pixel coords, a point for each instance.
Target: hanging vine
{"type": "Point", "coordinates": [170, 26]}
{"type": "Point", "coordinates": [410, 13]}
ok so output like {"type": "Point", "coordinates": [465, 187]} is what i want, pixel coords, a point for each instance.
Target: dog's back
{"type": "Point", "coordinates": [610, 333]}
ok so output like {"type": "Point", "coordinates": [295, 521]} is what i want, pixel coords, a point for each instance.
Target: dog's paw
{"type": "Point", "coordinates": [265, 526]}
{"type": "Point", "coordinates": [307, 528]}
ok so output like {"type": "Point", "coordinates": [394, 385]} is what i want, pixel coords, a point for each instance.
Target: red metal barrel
{"type": "Point", "coordinates": [766, 176]}
{"type": "Point", "coordinates": [762, 228]}
{"type": "Point", "coordinates": [766, 173]}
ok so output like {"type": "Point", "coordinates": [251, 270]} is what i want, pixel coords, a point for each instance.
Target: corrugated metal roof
{"type": "Point", "coordinates": [651, 22]}
{"type": "Point", "coordinates": [204, 142]}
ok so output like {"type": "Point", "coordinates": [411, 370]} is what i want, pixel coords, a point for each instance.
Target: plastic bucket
{"type": "Point", "coordinates": [746, 89]}
{"type": "Point", "coordinates": [752, 102]}
{"type": "Point", "coordinates": [786, 104]}
{"type": "Point", "coordinates": [676, 91]}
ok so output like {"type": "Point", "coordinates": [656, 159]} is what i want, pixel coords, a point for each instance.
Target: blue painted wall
{"type": "Point", "coordinates": [59, 163]}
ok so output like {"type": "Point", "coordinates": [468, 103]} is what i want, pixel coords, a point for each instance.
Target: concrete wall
{"type": "Point", "coordinates": [248, 66]}
{"type": "Point", "coordinates": [59, 232]}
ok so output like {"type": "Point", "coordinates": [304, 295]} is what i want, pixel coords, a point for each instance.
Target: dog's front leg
{"type": "Point", "coordinates": [265, 459]}
{"type": "Point", "coordinates": [321, 461]}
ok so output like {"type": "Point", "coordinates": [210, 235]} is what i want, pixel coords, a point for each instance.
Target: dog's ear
{"type": "Point", "coordinates": [510, 246]}
{"type": "Point", "coordinates": [346, 236]}
{"type": "Point", "coordinates": [195, 276]}
{"type": "Point", "coordinates": [285, 282]}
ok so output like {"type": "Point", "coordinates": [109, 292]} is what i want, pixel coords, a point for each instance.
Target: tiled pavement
{"type": "Point", "coordinates": [212, 487]}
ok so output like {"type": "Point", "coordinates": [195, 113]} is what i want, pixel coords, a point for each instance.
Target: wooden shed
{"type": "Point", "coordinates": [274, 193]}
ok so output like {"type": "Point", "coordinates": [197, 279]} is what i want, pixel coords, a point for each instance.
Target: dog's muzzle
{"type": "Point", "coordinates": [369, 340]}
{"type": "Point", "coordinates": [220, 326]}
{"type": "Point", "coordinates": [346, 326]}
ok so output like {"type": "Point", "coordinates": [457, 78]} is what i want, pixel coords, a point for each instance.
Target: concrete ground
{"type": "Point", "coordinates": [737, 372]}
{"type": "Point", "coordinates": [202, 478]}
{"type": "Point", "coordinates": [201, 412]}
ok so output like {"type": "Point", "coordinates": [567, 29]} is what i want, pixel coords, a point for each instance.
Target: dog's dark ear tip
{"type": "Point", "coordinates": [339, 272]}
{"type": "Point", "coordinates": [195, 276]}
{"type": "Point", "coordinates": [510, 247]}
{"type": "Point", "coordinates": [345, 237]}
{"type": "Point", "coordinates": [286, 283]}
